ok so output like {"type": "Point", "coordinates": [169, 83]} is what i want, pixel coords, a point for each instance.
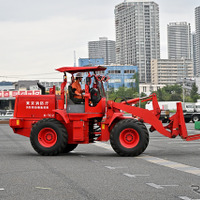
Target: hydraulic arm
{"type": "Point", "coordinates": [175, 127]}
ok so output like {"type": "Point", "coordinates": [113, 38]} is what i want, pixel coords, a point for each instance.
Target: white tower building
{"type": "Point", "coordinates": [137, 35]}
{"type": "Point", "coordinates": [103, 48]}
{"type": "Point", "coordinates": [179, 40]}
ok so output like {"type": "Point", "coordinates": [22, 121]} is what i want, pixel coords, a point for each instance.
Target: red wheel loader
{"type": "Point", "coordinates": [55, 124]}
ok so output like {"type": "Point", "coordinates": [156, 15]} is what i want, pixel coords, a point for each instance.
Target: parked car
{"type": "Point", "coordinates": [189, 107]}
{"type": "Point", "coordinates": [9, 113]}
{"type": "Point", "coordinates": [197, 107]}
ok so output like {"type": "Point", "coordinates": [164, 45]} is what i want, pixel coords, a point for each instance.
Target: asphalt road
{"type": "Point", "coordinates": [169, 169]}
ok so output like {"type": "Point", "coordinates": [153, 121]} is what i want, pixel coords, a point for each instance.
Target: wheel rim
{"type": "Point", "coordinates": [47, 137]}
{"type": "Point", "coordinates": [195, 118]}
{"type": "Point", "coordinates": [129, 138]}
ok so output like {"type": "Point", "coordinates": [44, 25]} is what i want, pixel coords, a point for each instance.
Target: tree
{"type": "Point", "coordinates": [159, 94]}
{"type": "Point", "coordinates": [170, 93]}
{"type": "Point", "coordinates": [175, 97]}
{"type": "Point", "coordinates": [136, 77]}
{"type": "Point", "coordinates": [193, 94]}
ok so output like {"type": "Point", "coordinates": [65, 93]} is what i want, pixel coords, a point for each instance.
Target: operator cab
{"type": "Point", "coordinates": [94, 90]}
{"type": "Point", "coordinates": [71, 96]}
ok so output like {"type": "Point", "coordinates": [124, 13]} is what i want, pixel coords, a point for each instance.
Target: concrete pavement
{"type": "Point", "coordinates": [168, 169]}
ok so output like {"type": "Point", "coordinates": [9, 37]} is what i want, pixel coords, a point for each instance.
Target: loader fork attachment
{"type": "Point", "coordinates": [178, 125]}
{"type": "Point", "coordinates": [175, 127]}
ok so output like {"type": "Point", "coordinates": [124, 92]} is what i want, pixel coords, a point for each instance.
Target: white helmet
{"type": "Point", "coordinates": [79, 75]}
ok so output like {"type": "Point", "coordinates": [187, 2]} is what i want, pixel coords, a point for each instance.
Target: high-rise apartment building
{"type": "Point", "coordinates": [197, 30]}
{"type": "Point", "coordinates": [137, 35]}
{"type": "Point", "coordinates": [194, 54]}
{"type": "Point", "coordinates": [103, 48]}
{"type": "Point", "coordinates": [171, 71]}
{"type": "Point", "coordinates": [179, 40]}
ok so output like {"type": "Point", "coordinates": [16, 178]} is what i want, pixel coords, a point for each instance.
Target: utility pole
{"type": "Point", "coordinates": [74, 58]}
{"type": "Point", "coordinates": [184, 78]}
{"type": "Point", "coordinates": [183, 91]}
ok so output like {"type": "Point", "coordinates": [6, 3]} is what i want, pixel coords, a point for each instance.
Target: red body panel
{"type": "Point", "coordinates": [32, 106]}
{"type": "Point", "coordinates": [78, 131]}
{"type": "Point", "coordinates": [29, 109]}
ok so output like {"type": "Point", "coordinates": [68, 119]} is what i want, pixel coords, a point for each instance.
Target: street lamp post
{"type": "Point", "coordinates": [184, 78]}
{"type": "Point", "coordinates": [183, 91]}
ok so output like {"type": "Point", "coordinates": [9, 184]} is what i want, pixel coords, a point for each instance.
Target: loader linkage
{"type": "Point", "coordinates": [175, 127]}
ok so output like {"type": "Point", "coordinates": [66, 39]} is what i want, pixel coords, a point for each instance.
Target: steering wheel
{"type": "Point", "coordinates": [95, 96]}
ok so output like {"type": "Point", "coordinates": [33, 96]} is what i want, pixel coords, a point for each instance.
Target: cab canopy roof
{"type": "Point", "coordinates": [73, 70]}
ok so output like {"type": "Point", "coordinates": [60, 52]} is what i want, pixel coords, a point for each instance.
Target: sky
{"type": "Point", "coordinates": [38, 36]}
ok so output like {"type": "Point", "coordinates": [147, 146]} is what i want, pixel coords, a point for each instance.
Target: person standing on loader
{"type": "Point", "coordinates": [76, 86]}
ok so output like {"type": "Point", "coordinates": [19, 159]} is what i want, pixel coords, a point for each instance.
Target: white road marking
{"type": "Point", "coordinates": [43, 188]}
{"type": "Point", "coordinates": [163, 162]}
{"type": "Point", "coordinates": [161, 137]}
{"type": "Point", "coordinates": [165, 139]}
{"type": "Point", "coordinates": [2, 189]}
{"type": "Point", "coordinates": [183, 142]}
{"type": "Point", "coordinates": [110, 167]}
{"type": "Point", "coordinates": [178, 142]}
{"type": "Point", "coordinates": [171, 164]}
{"type": "Point", "coordinates": [192, 145]}
{"type": "Point", "coordinates": [158, 140]}
{"type": "Point", "coordinates": [187, 198]}
{"type": "Point", "coordinates": [160, 186]}
{"type": "Point", "coordinates": [134, 175]}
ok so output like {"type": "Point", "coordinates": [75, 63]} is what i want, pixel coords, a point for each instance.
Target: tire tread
{"type": "Point", "coordinates": [116, 147]}
{"type": "Point", "coordinates": [63, 135]}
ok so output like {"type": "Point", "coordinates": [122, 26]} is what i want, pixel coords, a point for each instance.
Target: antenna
{"type": "Point", "coordinates": [74, 58]}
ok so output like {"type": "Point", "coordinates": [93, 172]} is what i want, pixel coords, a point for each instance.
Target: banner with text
{"type": "Point", "coordinates": [7, 94]}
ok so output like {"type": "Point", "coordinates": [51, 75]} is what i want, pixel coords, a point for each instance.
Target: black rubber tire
{"type": "Point", "coordinates": [60, 131]}
{"type": "Point", "coordinates": [137, 126]}
{"type": "Point", "coordinates": [187, 120]}
{"type": "Point", "coordinates": [195, 118]}
{"type": "Point", "coordinates": [69, 147]}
